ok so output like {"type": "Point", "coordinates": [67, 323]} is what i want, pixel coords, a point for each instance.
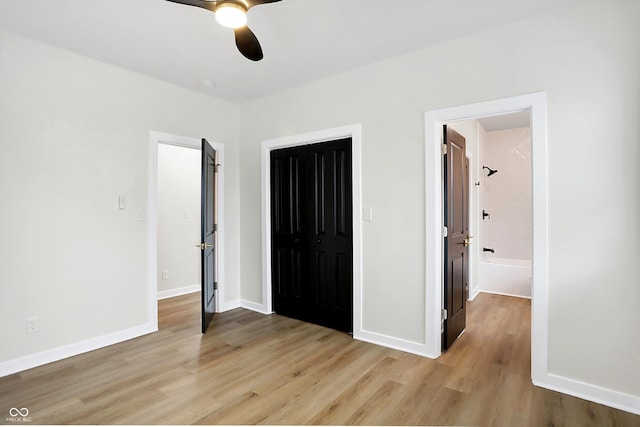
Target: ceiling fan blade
{"type": "Point", "coordinates": [209, 5]}
{"type": "Point", "coordinates": [248, 44]}
{"type": "Point", "coordinates": [213, 4]}
{"type": "Point", "coordinates": [251, 3]}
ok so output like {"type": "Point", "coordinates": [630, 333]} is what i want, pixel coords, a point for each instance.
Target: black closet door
{"type": "Point", "coordinates": [312, 236]}
{"type": "Point", "coordinates": [289, 232]}
{"type": "Point", "coordinates": [330, 243]}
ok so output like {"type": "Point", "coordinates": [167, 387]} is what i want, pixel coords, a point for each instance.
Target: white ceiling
{"type": "Point", "coordinates": [303, 40]}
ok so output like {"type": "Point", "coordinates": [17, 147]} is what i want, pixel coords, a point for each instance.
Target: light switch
{"type": "Point", "coordinates": [140, 215]}
{"type": "Point", "coordinates": [367, 214]}
{"type": "Point", "coordinates": [122, 203]}
{"type": "Point", "coordinates": [187, 213]}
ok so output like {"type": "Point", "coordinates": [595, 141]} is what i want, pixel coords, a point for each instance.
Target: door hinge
{"type": "Point", "coordinates": [215, 227]}
{"type": "Point", "coordinates": [216, 167]}
{"type": "Point", "coordinates": [215, 286]}
{"type": "Point", "coordinates": [444, 149]}
{"type": "Point", "coordinates": [445, 231]}
{"type": "Point", "coordinates": [443, 315]}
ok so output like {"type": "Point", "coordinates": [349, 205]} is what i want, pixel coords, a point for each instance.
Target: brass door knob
{"type": "Point", "coordinates": [203, 246]}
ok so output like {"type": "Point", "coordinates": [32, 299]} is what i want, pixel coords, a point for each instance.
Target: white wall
{"type": "Point", "coordinates": [178, 219]}
{"type": "Point", "coordinates": [586, 58]}
{"type": "Point", "coordinates": [506, 195]}
{"type": "Point", "coordinates": [74, 135]}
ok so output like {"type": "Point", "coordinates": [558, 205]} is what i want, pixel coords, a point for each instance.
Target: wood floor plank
{"type": "Point", "coordinates": [418, 395]}
{"type": "Point", "coordinates": [255, 369]}
{"type": "Point", "coordinates": [386, 398]}
{"type": "Point", "coordinates": [342, 407]}
{"type": "Point", "coordinates": [307, 395]}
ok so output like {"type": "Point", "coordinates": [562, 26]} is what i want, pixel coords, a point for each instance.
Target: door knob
{"type": "Point", "coordinates": [203, 246]}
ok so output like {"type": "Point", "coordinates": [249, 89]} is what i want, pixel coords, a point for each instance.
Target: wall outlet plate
{"type": "Point", "coordinates": [32, 325]}
{"type": "Point", "coordinates": [367, 214]}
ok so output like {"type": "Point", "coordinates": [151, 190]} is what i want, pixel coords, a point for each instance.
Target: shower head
{"type": "Point", "coordinates": [491, 171]}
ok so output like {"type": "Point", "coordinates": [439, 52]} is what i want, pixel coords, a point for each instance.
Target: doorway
{"type": "Point", "coordinates": [498, 240]}
{"type": "Point", "coordinates": [504, 212]}
{"type": "Point", "coordinates": [312, 233]}
{"type": "Point", "coordinates": [536, 103]}
{"type": "Point", "coordinates": [178, 220]}
{"type": "Point", "coordinates": [155, 139]}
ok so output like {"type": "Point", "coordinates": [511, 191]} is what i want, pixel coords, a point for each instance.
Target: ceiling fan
{"type": "Point", "coordinates": [233, 14]}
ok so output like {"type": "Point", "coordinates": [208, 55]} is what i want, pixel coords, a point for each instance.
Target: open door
{"type": "Point", "coordinates": [456, 243]}
{"type": "Point", "coordinates": [208, 229]}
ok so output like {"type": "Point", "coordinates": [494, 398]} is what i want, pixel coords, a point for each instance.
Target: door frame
{"type": "Point", "coordinates": [349, 131]}
{"type": "Point", "coordinates": [156, 138]}
{"type": "Point", "coordinates": [536, 103]}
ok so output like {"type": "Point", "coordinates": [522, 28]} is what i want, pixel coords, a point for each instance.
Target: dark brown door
{"type": "Point", "coordinates": [208, 226]}
{"type": "Point", "coordinates": [312, 237]}
{"type": "Point", "coordinates": [456, 253]}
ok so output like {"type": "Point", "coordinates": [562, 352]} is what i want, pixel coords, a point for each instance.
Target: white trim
{"type": "Point", "coordinates": [170, 293]}
{"type": "Point", "coordinates": [504, 294]}
{"type": "Point", "coordinates": [253, 306]}
{"type": "Point", "coordinates": [393, 342]}
{"type": "Point", "coordinates": [229, 305]}
{"type": "Point", "coordinates": [53, 355]}
{"type": "Point", "coordinates": [355, 133]}
{"type": "Point", "coordinates": [156, 138]}
{"type": "Point", "coordinates": [537, 104]}
{"type": "Point", "coordinates": [594, 393]}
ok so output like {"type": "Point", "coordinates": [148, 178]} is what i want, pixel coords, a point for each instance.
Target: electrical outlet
{"type": "Point", "coordinates": [165, 275]}
{"type": "Point", "coordinates": [32, 324]}
{"type": "Point", "coordinates": [367, 214]}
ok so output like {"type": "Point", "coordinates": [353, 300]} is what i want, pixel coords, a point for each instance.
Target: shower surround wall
{"type": "Point", "coordinates": [506, 196]}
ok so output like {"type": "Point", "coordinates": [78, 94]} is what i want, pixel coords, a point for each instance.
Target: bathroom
{"type": "Point", "coordinates": [499, 152]}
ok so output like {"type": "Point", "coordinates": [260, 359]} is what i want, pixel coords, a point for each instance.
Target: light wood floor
{"type": "Point", "coordinates": [255, 369]}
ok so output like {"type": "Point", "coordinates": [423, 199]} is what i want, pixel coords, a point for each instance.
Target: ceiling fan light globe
{"type": "Point", "coordinates": [231, 15]}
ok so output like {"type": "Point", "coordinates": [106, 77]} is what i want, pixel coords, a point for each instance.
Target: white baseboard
{"type": "Point", "coordinates": [254, 306]}
{"type": "Point", "coordinates": [178, 291]}
{"type": "Point", "coordinates": [593, 393]}
{"type": "Point", "coordinates": [53, 355]}
{"type": "Point", "coordinates": [474, 293]}
{"type": "Point", "coordinates": [228, 305]}
{"type": "Point", "coordinates": [394, 343]}
{"type": "Point", "coordinates": [500, 293]}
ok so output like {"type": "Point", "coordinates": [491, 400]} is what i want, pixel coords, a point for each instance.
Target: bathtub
{"type": "Point", "coordinates": [505, 276]}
